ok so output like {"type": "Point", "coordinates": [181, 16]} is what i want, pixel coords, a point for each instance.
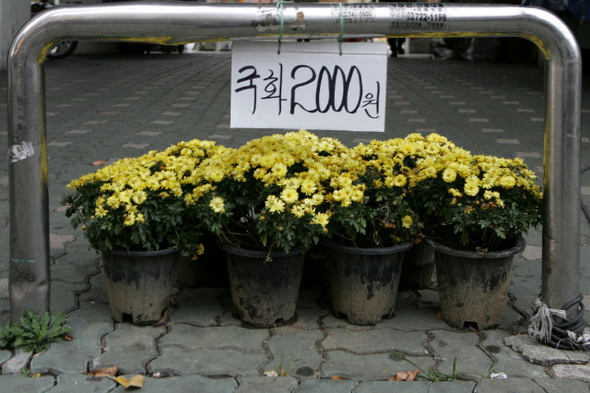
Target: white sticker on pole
{"type": "Point", "coordinates": [309, 85]}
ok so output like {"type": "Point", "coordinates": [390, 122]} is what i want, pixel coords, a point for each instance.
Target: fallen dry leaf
{"type": "Point", "coordinates": [405, 376]}
{"type": "Point", "coordinates": [439, 314]}
{"type": "Point", "coordinates": [338, 377]}
{"type": "Point", "coordinates": [104, 372]}
{"type": "Point", "coordinates": [68, 338]}
{"type": "Point", "coordinates": [120, 380]}
{"type": "Point", "coordinates": [172, 301]}
{"type": "Point", "coordinates": [164, 318]}
{"type": "Point", "coordinates": [136, 381]}
{"type": "Point", "coordinates": [99, 162]}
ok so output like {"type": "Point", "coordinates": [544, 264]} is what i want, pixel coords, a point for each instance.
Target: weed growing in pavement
{"type": "Point", "coordinates": [435, 376]}
{"type": "Point", "coordinates": [34, 332]}
{"type": "Point", "coordinates": [281, 371]}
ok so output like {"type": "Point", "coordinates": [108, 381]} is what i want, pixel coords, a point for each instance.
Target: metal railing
{"type": "Point", "coordinates": [180, 23]}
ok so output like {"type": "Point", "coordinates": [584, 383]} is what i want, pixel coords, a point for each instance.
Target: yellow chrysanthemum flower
{"type": "Point", "coordinates": [471, 187]}
{"type": "Point", "coordinates": [274, 204]}
{"type": "Point", "coordinates": [289, 195]}
{"type": "Point", "coordinates": [449, 175]}
{"type": "Point", "coordinates": [407, 222]}
{"type": "Point", "coordinates": [217, 204]}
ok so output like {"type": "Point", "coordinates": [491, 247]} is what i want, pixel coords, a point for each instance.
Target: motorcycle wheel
{"type": "Point", "coordinates": [62, 49]}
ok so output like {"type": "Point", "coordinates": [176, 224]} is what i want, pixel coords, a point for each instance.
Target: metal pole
{"type": "Point", "coordinates": [179, 23]}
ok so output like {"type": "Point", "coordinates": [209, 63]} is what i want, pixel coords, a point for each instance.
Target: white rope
{"type": "Point", "coordinates": [541, 326]}
{"type": "Point", "coordinates": [542, 321]}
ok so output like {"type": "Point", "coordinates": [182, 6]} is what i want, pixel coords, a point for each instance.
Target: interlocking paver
{"type": "Point", "coordinates": [457, 352]}
{"type": "Point", "coordinates": [372, 340]}
{"type": "Point", "coordinates": [371, 367]}
{"type": "Point", "coordinates": [200, 306]}
{"type": "Point", "coordinates": [296, 351]}
{"type": "Point", "coordinates": [256, 385]}
{"type": "Point", "coordinates": [73, 383]}
{"type": "Point", "coordinates": [74, 355]}
{"type": "Point", "coordinates": [19, 383]}
{"type": "Point", "coordinates": [227, 337]}
{"type": "Point", "coordinates": [210, 362]}
{"type": "Point", "coordinates": [129, 347]}
{"type": "Point", "coordinates": [507, 360]}
{"type": "Point", "coordinates": [508, 385]}
{"type": "Point", "coordinates": [189, 383]}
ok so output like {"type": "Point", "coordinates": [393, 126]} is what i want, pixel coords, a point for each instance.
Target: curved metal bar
{"type": "Point", "coordinates": [177, 23]}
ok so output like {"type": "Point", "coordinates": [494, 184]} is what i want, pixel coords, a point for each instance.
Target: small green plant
{"type": "Point", "coordinates": [281, 371]}
{"type": "Point", "coordinates": [434, 376]}
{"type": "Point", "coordinates": [34, 332]}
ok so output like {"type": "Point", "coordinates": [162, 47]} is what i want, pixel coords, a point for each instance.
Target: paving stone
{"type": "Point", "coordinates": [462, 347]}
{"type": "Point", "coordinates": [201, 306]}
{"type": "Point", "coordinates": [562, 385]}
{"type": "Point", "coordinates": [17, 362]}
{"type": "Point", "coordinates": [295, 350]}
{"type": "Point", "coordinates": [73, 274]}
{"type": "Point", "coordinates": [228, 337]}
{"type": "Point", "coordinates": [63, 296]}
{"type": "Point", "coordinates": [307, 318]}
{"type": "Point", "coordinates": [19, 383]}
{"type": "Point", "coordinates": [325, 386]}
{"type": "Point", "coordinates": [375, 340]}
{"type": "Point", "coordinates": [540, 353]}
{"type": "Point", "coordinates": [508, 361]}
{"type": "Point", "coordinates": [409, 317]}
{"type": "Point", "coordinates": [572, 371]}
{"type": "Point", "coordinates": [370, 367]}
{"type": "Point", "coordinates": [97, 291]}
{"type": "Point", "coordinates": [75, 383]}
{"type": "Point", "coordinates": [128, 347]}
{"type": "Point", "coordinates": [189, 383]}
{"type": "Point", "coordinates": [210, 362]}
{"type": "Point", "coordinates": [74, 355]}
{"type": "Point", "coordinates": [510, 385]}
{"type": "Point", "coordinates": [60, 241]}
{"type": "Point", "coordinates": [266, 384]}
{"type": "Point", "coordinates": [92, 312]}
{"type": "Point", "coordinates": [452, 387]}
{"type": "Point", "coordinates": [414, 387]}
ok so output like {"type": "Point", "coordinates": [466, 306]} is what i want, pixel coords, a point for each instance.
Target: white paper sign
{"type": "Point", "coordinates": [309, 85]}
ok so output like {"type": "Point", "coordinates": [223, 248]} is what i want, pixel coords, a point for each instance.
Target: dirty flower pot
{"type": "Point", "coordinates": [473, 287]}
{"type": "Point", "coordinates": [417, 267]}
{"type": "Point", "coordinates": [364, 281]}
{"type": "Point", "coordinates": [139, 283]}
{"type": "Point", "coordinates": [264, 293]}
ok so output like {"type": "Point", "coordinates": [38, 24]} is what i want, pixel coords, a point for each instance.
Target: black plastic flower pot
{"type": "Point", "coordinates": [473, 287]}
{"type": "Point", "coordinates": [364, 281]}
{"type": "Point", "coordinates": [417, 268]}
{"type": "Point", "coordinates": [264, 292]}
{"type": "Point", "coordinates": [139, 283]}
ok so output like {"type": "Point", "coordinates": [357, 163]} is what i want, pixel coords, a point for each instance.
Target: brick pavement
{"type": "Point", "coordinates": [111, 107]}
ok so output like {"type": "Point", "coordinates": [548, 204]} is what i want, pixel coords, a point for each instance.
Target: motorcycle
{"type": "Point", "coordinates": [62, 49]}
